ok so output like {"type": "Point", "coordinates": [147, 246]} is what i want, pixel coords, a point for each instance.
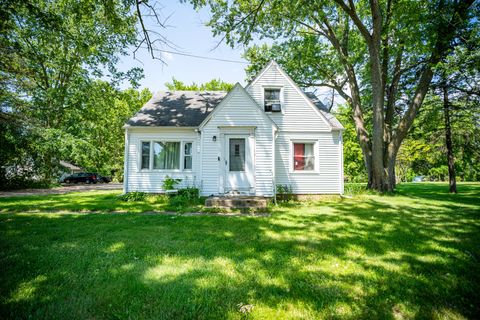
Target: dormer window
{"type": "Point", "coordinates": [272, 100]}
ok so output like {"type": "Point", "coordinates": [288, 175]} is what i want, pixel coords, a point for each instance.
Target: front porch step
{"type": "Point", "coordinates": [236, 202]}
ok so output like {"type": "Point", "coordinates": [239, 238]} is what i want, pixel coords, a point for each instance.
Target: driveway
{"type": "Point", "coordinates": [63, 189]}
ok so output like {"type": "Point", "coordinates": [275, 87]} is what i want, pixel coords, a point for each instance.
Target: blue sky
{"type": "Point", "coordinates": [187, 31]}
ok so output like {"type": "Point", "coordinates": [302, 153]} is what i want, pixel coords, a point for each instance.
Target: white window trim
{"type": "Point", "coordinates": [140, 153]}
{"type": "Point", "coordinates": [282, 100]}
{"type": "Point", "coordinates": [183, 155]}
{"type": "Point", "coordinates": [150, 165]}
{"type": "Point", "coordinates": [315, 154]}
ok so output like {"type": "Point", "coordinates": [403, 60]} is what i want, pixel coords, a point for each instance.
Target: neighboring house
{"type": "Point", "coordinates": [71, 168]}
{"type": "Point", "coordinates": [245, 141]}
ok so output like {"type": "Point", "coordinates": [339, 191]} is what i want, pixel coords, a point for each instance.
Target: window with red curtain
{"type": "Point", "coordinates": [298, 156]}
{"type": "Point", "coordinates": [303, 157]}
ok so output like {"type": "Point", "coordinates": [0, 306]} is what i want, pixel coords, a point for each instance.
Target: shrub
{"type": "Point", "coordinates": [284, 192]}
{"type": "Point", "coordinates": [133, 196]}
{"type": "Point", "coordinates": [169, 183]}
{"type": "Point", "coordinates": [185, 200]}
{"type": "Point", "coordinates": [189, 193]}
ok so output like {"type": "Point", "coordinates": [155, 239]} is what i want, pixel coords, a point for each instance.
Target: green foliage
{"type": "Point", "coordinates": [355, 189]}
{"type": "Point", "coordinates": [284, 192]}
{"type": "Point", "coordinates": [51, 52]}
{"type": "Point", "coordinates": [423, 151]}
{"type": "Point", "coordinates": [438, 174]}
{"type": "Point", "coordinates": [186, 200]}
{"type": "Point", "coordinates": [354, 165]}
{"type": "Point", "coordinates": [169, 183]}
{"type": "Point", "coordinates": [134, 196]}
{"type": "Point", "coordinates": [212, 85]}
{"type": "Point", "coordinates": [190, 193]}
{"type": "Point", "coordinates": [379, 56]}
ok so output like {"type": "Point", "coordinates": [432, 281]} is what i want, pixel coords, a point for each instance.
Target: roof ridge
{"type": "Point", "coordinates": [190, 91]}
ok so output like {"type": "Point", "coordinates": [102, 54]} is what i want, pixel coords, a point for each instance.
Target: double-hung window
{"type": "Point", "coordinates": [145, 159]}
{"type": "Point", "coordinates": [272, 101]}
{"type": "Point", "coordinates": [187, 156]}
{"type": "Point", "coordinates": [303, 156]}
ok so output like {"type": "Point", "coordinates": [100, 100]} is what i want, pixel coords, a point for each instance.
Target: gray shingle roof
{"type": "Point", "coordinates": [177, 109]}
{"type": "Point", "coordinates": [324, 111]}
{"type": "Point", "coordinates": [190, 108]}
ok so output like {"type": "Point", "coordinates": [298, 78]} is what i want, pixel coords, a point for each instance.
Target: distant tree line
{"type": "Point", "coordinates": [212, 85]}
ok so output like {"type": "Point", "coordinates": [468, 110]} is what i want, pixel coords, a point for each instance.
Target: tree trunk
{"type": "Point", "coordinates": [378, 143]}
{"type": "Point", "coordinates": [391, 160]}
{"type": "Point", "coordinates": [378, 99]}
{"type": "Point", "coordinates": [448, 141]}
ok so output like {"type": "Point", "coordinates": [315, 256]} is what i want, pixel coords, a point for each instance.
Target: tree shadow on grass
{"type": "Point", "coordinates": [77, 202]}
{"type": "Point", "coordinates": [373, 258]}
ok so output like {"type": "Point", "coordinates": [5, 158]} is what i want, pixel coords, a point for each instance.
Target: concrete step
{"type": "Point", "coordinates": [236, 202]}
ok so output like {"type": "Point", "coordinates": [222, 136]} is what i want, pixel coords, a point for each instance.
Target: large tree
{"type": "Point", "coordinates": [51, 55]}
{"type": "Point", "coordinates": [458, 86]}
{"type": "Point", "coordinates": [380, 56]}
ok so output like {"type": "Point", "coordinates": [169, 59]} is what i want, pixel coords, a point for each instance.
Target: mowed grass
{"type": "Point", "coordinates": [415, 254]}
{"type": "Point", "coordinates": [80, 202]}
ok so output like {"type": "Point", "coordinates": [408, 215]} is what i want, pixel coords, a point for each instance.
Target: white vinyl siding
{"type": "Point", "coordinates": [238, 115]}
{"type": "Point", "coordinates": [327, 176]}
{"type": "Point", "coordinates": [296, 112]}
{"type": "Point", "coordinates": [150, 180]}
{"type": "Point", "coordinates": [298, 122]}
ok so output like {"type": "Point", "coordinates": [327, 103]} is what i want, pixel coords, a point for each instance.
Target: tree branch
{"type": "Point", "coordinates": [352, 12]}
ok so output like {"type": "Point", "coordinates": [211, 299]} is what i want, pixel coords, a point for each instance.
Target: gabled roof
{"type": "Point", "coordinates": [318, 106]}
{"type": "Point", "coordinates": [324, 110]}
{"type": "Point", "coordinates": [177, 109]}
{"type": "Point", "coordinates": [238, 87]}
{"type": "Point", "coordinates": [194, 108]}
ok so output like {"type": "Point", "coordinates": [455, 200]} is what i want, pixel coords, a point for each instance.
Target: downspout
{"type": "Point", "coordinates": [342, 187]}
{"type": "Point", "coordinates": [199, 154]}
{"type": "Point", "coordinates": [126, 156]}
{"type": "Point", "coordinates": [275, 134]}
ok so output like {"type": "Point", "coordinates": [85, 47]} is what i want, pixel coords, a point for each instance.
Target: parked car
{"type": "Point", "coordinates": [103, 179]}
{"type": "Point", "coordinates": [418, 179]}
{"type": "Point", "coordinates": [85, 177]}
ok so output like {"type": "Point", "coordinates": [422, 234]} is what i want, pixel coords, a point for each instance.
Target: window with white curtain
{"type": "Point", "coordinates": [166, 155]}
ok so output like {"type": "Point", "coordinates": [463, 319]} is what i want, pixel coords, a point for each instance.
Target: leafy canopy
{"type": "Point", "coordinates": [212, 85]}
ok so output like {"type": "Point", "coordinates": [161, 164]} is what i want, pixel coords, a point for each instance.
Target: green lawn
{"type": "Point", "coordinates": [412, 255]}
{"type": "Point", "coordinates": [88, 202]}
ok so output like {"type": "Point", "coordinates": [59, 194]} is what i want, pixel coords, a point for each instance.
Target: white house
{"type": "Point", "coordinates": [245, 141]}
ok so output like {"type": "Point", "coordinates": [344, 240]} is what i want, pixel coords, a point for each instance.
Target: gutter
{"type": "Point", "coordinates": [275, 135]}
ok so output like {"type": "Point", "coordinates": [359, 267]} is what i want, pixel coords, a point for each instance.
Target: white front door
{"type": "Point", "coordinates": [238, 164]}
